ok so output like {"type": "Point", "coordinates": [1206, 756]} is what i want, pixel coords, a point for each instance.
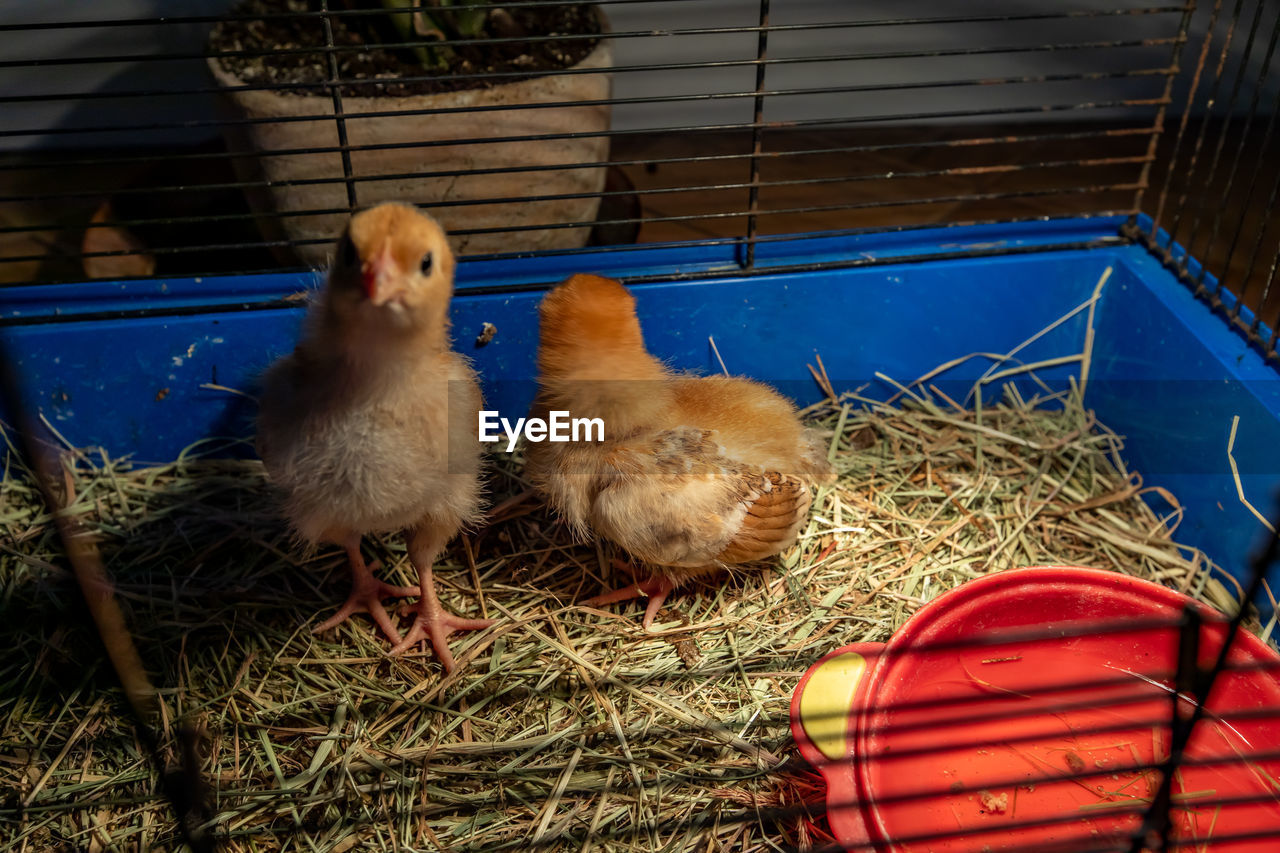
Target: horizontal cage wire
{"type": "Point", "coordinates": [714, 123]}
{"type": "Point", "coordinates": [236, 137]}
{"type": "Point", "coordinates": [720, 130]}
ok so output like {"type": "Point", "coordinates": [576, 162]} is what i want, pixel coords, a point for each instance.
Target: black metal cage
{"type": "Point", "coordinates": [163, 140]}
{"type": "Point", "coordinates": [132, 148]}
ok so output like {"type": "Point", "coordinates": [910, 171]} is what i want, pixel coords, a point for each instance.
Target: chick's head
{"type": "Point", "coordinates": [584, 322]}
{"type": "Point", "coordinates": [392, 269]}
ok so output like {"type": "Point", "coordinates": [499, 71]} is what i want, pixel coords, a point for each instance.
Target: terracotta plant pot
{"type": "Point", "coordinates": [423, 154]}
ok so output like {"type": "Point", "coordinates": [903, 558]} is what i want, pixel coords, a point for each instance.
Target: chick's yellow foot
{"type": "Point", "coordinates": [367, 593]}
{"type": "Point", "coordinates": [657, 588]}
{"type": "Point", "coordinates": [435, 624]}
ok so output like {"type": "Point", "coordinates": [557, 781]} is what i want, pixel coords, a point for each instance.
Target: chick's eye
{"type": "Point", "coordinates": [426, 264]}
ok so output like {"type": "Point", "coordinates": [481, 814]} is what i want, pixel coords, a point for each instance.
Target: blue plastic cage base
{"type": "Point", "coordinates": [131, 366]}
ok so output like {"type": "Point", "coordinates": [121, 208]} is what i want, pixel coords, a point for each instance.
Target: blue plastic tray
{"type": "Point", "coordinates": [122, 364]}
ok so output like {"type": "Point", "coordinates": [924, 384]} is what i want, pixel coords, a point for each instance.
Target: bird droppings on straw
{"type": "Point", "coordinates": [564, 728]}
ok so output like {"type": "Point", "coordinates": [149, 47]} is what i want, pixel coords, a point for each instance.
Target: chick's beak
{"type": "Point", "coordinates": [379, 276]}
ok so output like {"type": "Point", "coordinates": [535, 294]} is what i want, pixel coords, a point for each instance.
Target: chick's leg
{"type": "Point", "coordinates": [366, 595]}
{"type": "Point", "coordinates": [432, 622]}
{"type": "Point", "coordinates": [657, 588]}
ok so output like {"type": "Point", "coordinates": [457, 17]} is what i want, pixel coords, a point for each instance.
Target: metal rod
{"type": "Point", "coordinates": [1201, 684]}
{"type": "Point", "coordinates": [552, 226]}
{"type": "Point", "coordinates": [856, 262]}
{"type": "Point", "coordinates": [1083, 838]}
{"type": "Point", "coordinates": [757, 137]}
{"type": "Point", "coordinates": [1257, 246]}
{"type": "Point", "coordinates": [925, 144]}
{"type": "Point", "coordinates": [791, 125]}
{"type": "Point", "coordinates": [555, 38]}
{"type": "Point", "coordinates": [702, 242]}
{"type": "Point", "coordinates": [317, 49]}
{"type": "Point", "coordinates": [826, 180]}
{"type": "Point", "coordinates": [336, 93]}
{"type": "Point", "coordinates": [1158, 820]}
{"type": "Point", "coordinates": [1190, 170]}
{"type": "Point", "coordinates": [1157, 124]}
{"type": "Point", "coordinates": [1136, 724]}
{"type": "Point", "coordinates": [1176, 262]}
{"type": "Point", "coordinates": [1263, 222]}
{"type": "Point", "coordinates": [1138, 805]}
{"type": "Point", "coordinates": [1083, 76]}
{"type": "Point", "coordinates": [1186, 116]}
{"type": "Point", "coordinates": [1266, 290]}
{"type": "Point", "coordinates": [821, 122]}
{"type": "Point", "coordinates": [1239, 156]}
{"type": "Point", "coordinates": [1228, 116]}
{"type": "Point", "coordinates": [355, 13]}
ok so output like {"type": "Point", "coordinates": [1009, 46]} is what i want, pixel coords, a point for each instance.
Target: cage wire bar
{"type": "Point", "coordinates": [856, 121]}
{"type": "Point", "coordinates": [1164, 110]}
{"type": "Point", "coordinates": [340, 121]}
{"type": "Point", "coordinates": [1243, 291]}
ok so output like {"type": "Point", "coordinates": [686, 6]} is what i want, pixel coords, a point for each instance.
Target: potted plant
{"type": "Point", "coordinates": [410, 63]}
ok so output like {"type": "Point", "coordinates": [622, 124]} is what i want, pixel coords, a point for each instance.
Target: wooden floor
{"type": "Point", "coordinates": [694, 187]}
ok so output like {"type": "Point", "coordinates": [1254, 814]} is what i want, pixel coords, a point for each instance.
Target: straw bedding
{"type": "Point", "coordinates": [565, 728]}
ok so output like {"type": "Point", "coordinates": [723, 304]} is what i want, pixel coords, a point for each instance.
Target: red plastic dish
{"type": "Point", "coordinates": [948, 747]}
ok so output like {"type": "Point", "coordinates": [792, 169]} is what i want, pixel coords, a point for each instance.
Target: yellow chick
{"type": "Point", "coordinates": [369, 425]}
{"type": "Point", "coordinates": [694, 473]}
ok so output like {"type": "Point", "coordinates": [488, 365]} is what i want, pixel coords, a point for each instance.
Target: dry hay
{"type": "Point", "coordinates": [565, 728]}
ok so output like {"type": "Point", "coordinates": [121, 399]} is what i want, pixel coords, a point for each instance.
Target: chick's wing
{"type": "Point", "coordinates": [776, 507]}
{"type": "Point", "coordinates": [675, 498]}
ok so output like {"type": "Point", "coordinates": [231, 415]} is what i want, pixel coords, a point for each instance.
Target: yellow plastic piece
{"type": "Point", "coordinates": [827, 701]}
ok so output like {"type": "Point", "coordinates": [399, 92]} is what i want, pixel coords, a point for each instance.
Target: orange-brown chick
{"type": "Point", "coordinates": [369, 425]}
{"type": "Point", "coordinates": [695, 473]}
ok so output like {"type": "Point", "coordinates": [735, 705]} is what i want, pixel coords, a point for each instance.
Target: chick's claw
{"type": "Point", "coordinates": [367, 593]}
{"type": "Point", "coordinates": [657, 588]}
{"type": "Point", "coordinates": [435, 624]}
